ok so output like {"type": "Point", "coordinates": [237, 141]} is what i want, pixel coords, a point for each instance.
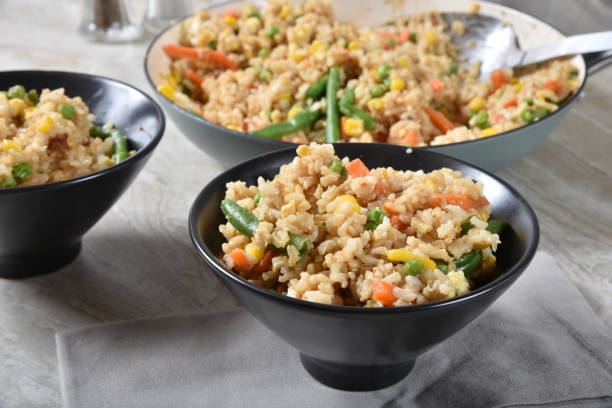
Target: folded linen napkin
{"type": "Point", "coordinates": [540, 344]}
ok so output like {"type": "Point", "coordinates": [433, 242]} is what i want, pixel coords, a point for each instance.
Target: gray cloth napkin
{"type": "Point", "coordinates": [540, 344]}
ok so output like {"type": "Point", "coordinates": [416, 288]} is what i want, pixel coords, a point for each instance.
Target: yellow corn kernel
{"type": "Point", "coordinates": [247, 10]}
{"type": "Point", "coordinates": [170, 79]}
{"type": "Point", "coordinates": [403, 61]}
{"type": "Point", "coordinates": [285, 11]}
{"type": "Point", "coordinates": [375, 104]}
{"type": "Point", "coordinates": [431, 185]}
{"type": "Point", "coordinates": [70, 142]}
{"type": "Point", "coordinates": [483, 216]}
{"type": "Point", "coordinates": [254, 250]}
{"type": "Point", "coordinates": [518, 87]}
{"type": "Point", "coordinates": [285, 95]}
{"type": "Point", "coordinates": [28, 115]}
{"type": "Point", "coordinates": [298, 55]}
{"type": "Point", "coordinates": [45, 124]}
{"type": "Point", "coordinates": [229, 20]}
{"type": "Point", "coordinates": [353, 126]}
{"type": "Point", "coordinates": [430, 35]}
{"type": "Point", "coordinates": [17, 104]}
{"type": "Point", "coordinates": [108, 161]}
{"type": "Point", "coordinates": [303, 150]}
{"type": "Point", "coordinates": [476, 104]}
{"type": "Point", "coordinates": [489, 132]}
{"type": "Point", "coordinates": [353, 45]}
{"type": "Point", "coordinates": [404, 255]}
{"type": "Point", "coordinates": [177, 75]}
{"type": "Point", "coordinates": [234, 127]}
{"type": "Point", "coordinates": [293, 111]}
{"type": "Point", "coordinates": [166, 90]}
{"type": "Point", "coordinates": [316, 47]}
{"type": "Point", "coordinates": [11, 145]}
{"type": "Point", "coordinates": [488, 263]}
{"type": "Point", "coordinates": [461, 284]}
{"type": "Point", "coordinates": [514, 80]}
{"type": "Point", "coordinates": [397, 84]}
{"type": "Point", "coordinates": [353, 201]}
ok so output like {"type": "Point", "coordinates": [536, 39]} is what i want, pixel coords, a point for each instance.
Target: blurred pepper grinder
{"type": "Point", "coordinates": [108, 21]}
{"type": "Point", "coordinates": [160, 13]}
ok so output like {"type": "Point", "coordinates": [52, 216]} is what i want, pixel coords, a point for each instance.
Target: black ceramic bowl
{"type": "Point", "coordinates": [366, 348]}
{"type": "Point", "coordinates": [41, 226]}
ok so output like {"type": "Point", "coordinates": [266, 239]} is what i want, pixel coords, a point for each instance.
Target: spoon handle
{"type": "Point", "coordinates": [576, 44]}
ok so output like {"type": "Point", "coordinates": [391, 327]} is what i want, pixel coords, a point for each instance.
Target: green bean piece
{"type": "Point", "coordinates": [22, 171]}
{"type": "Point", "coordinates": [302, 244]}
{"type": "Point", "coordinates": [338, 167]}
{"type": "Point", "coordinates": [454, 68]}
{"type": "Point", "coordinates": [377, 91]}
{"type": "Point", "coordinates": [527, 115]}
{"type": "Point", "coordinates": [540, 113]}
{"type": "Point", "coordinates": [332, 120]}
{"type": "Point", "coordinates": [99, 131]}
{"type": "Point", "coordinates": [187, 85]}
{"type": "Point", "coordinates": [467, 224]}
{"type": "Point", "coordinates": [469, 262]}
{"type": "Point", "coordinates": [66, 110]}
{"type": "Point", "coordinates": [265, 75]}
{"type": "Point", "coordinates": [263, 53]}
{"type": "Point", "coordinates": [413, 36]}
{"type": "Point", "coordinates": [271, 31]}
{"type": "Point", "coordinates": [317, 90]}
{"type": "Point", "coordinates": [442, 266]}
{"type": "Point", "coordinates": [346, 107]}
{"type": "Point", "coordinates": [257, 199]}
{"type": "Point", "coordinates": [573, 73]}
{"type": "Point", "coordinates": [391, 42]}
{"type": "Point", "coordinates": [376, 215]}
{"type": "Point", "coordinates": [528, 101]}
{"type": "Point", "coordinates": [301, 120]}
{"type": "Point", "coordinates": [17, 91]}
{"type": "Point", "coordinates": [256, 14]}
{"type": "Point", "coordinates": [242, 219]}
{"type": "Point", "coordinates": [413, 267]}
{"type": "Point", "coordinates": [212, 45]}
{"type": "Point", "coordinates": [299, 16]}
{"type": "Point", "coordinates": [383, 71]}
{"type": "Point", "coordinates": [120, 146]}
{"type": "Point", "coordinates": [496, 226]}
{"type": "Point", "coordinates": [482, 119]}
{"type": "Point", "coordinates": [33, 96]}
{"type": "Point", "coordinates": [9, 182]}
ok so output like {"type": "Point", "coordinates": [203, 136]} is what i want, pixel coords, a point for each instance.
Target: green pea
{"type": "Point", "coordinates": [17, 91]}
{"type": "Point", "coordinates": [338, 167]}
{"type": "Point", "coordinates": [540, 113]}
{"type": "Point", "coordinates": [527, 115]}
{"type": "Point", "coordinates": [33, 96]}
{"type": "Point", "coordinates": [376, 215]}
{"type": "Point", "coordinates": [387, 83]}
{"type": "Point", "coordinates": [212, 45]}
{"type": "Point", "coordinates": [454, 68]}
{"type": "Point", "coordinates": [413, 267]}
{"type": "Point", "coordinates": [271, 31]}
{"type": "Point", "coordinates": [265, 75]}
{"type": "Point", "coordinates": [257, 198]}
{"type": "Point", "coordinates": [66, 110]}
{"type": "Point", "coordinates": [482, 119]}
{"type": "Point", "coordinates": [413, 36]}
{"type": "Point", "coordinates": [377, 91]}
{"type": "Point", "coordinates": [391, 42]}
{"type": "Point", "coordinates": [383, 71]}
{"type": "Point", "coordinates": [9, 182]}
{"type": "Point", "coordinates": [255, 14]}
{"type": "Point", "coordinates": [263, 53]}
{"type": "Point", "coordinates": [528, 101]}
{"type": "Point", "coordinates": [22, 171]}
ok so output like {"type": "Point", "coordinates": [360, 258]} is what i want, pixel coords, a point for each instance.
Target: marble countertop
{"type": "Point", "coordinates": [138, 260]}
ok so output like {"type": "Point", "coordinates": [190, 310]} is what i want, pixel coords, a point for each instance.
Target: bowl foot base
{"type": "Point", "coordinates": [355, 378]}
{"type": "Point", "coordinates": [40, 263]}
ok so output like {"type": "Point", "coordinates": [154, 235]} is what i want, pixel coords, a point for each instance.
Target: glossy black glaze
{"type": "Point", "coordinates": [366, 348]}
{"type": "Point", "coordinates": [41, 226]}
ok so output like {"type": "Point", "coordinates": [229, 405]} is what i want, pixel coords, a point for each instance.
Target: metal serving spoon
{"type": "Point", "coordinates": [494, 43]}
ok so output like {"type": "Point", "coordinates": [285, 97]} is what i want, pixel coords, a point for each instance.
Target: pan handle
{"type": "Point", "coordinates": [596, 61]}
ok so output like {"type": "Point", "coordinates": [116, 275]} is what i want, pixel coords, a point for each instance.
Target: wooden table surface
{"type": "Point", "coordinates": [138, 260]}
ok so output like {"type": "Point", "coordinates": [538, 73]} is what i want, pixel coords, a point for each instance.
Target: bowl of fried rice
{"type": "Point", "coordinates": [240, 80]}
{"type": "Point", "coordinates": [362, 256]}
{"type": "Point", "coordinates": [70, 145]}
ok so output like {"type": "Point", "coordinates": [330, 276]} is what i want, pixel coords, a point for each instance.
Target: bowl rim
{"type": "Point", "coordinates": [274, 142]}
{"type": "Point", "coordinates": [143, 152]}
{"type": "Point", "coordinates": [211, 260]}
